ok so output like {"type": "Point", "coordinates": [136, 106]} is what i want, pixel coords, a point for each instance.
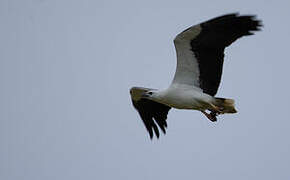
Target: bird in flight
{"type": "Point", "coordinates": [200, 56]}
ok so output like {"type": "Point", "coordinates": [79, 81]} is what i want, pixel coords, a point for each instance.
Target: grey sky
{"type": "Point", "coordinates": [65, 112]}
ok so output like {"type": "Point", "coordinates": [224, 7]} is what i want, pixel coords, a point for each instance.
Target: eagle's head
{"type": "Point", "coordinates": [151, 94]}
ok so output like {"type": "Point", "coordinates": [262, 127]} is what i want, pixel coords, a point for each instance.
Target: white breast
{"type": "Point", "coordinates": [182, 96]}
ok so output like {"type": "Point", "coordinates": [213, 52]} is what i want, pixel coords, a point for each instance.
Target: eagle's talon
{"type": "Point", "coordinates": [211, 116]}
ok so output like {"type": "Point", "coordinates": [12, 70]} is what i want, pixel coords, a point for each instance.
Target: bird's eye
{"type": "Point", "coordinates": [150, 93]}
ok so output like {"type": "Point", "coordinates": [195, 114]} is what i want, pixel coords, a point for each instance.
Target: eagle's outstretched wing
{"type": "Point", "coordinates": [151, 112]}
{"type": "Point", "coordinates": [200, 49]}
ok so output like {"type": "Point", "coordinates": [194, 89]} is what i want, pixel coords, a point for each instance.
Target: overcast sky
{"type": "Point", "coordinates": [66, 68]}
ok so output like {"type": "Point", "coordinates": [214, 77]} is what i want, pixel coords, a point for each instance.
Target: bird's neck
{"type": "Point", "coordinates": [159, 96]}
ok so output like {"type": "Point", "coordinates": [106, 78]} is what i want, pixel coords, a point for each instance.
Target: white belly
{"type": "Point", "coordinates": [186, 98]}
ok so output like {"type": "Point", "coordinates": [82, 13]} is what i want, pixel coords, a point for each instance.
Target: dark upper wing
{"type": "Point", "coordinates": [209, 46]}
{"type": "Point", "coordinates": [202, 47]}
{"type": "Point", "coordinates": [151, 112]}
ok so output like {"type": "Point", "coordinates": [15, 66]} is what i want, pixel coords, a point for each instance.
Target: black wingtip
{"type": "Point", "coordinates": [151, 136]}
{"type": "Point", "coordinates": [152, 114]}
{"type": "Point", "coordinates": [155, 128]}
{"type": "Point", "coordinates": [163, 129]}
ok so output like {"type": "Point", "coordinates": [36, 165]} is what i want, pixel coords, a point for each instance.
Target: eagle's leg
{"type": "Point", "coordinates": [215, 109]}
{"type": "Point", "coordinates": [211, 116]}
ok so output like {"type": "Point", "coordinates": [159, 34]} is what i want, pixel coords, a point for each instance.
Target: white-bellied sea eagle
{"type": "Point", "coordinates": [200, 56]}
